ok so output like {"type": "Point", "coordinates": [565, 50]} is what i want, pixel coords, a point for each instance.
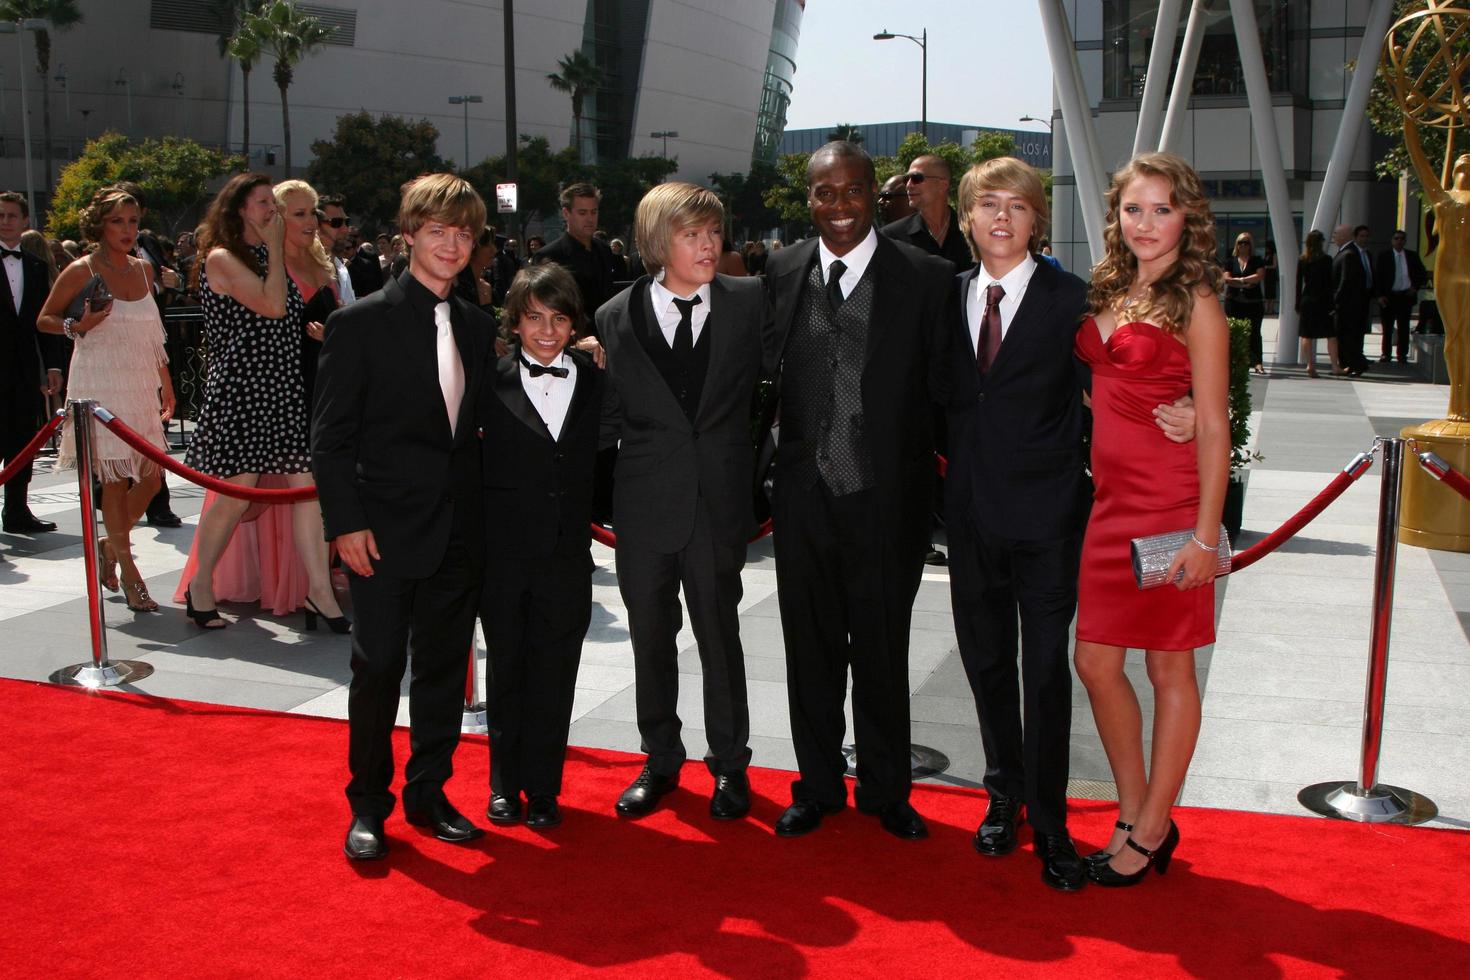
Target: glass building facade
{"type": "Point", "coordinates": [778, 83]}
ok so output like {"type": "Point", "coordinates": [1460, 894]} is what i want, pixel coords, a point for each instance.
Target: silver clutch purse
{"type": "Point", "coordinates": [1153, 555]}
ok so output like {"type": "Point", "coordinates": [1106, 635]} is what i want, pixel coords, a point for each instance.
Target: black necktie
{"type": "Point", "coordinates": [834, 284]}
{"type": "Point", "coordinates": [6, 253]}
{"type": "Point", "coordinates": [539, 369]}
{"type": "Point", "coordinates": [684, 332]}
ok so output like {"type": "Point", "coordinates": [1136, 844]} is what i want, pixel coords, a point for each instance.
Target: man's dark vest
{"type": "Point", "coordinates": [822, 385]}
{"type": "Point", "coordinates": [684, 375]}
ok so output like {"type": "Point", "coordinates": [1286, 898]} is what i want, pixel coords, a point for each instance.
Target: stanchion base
{"type": "Point", "coordinates": [110, 674]}
{"type": "Point", "coordinates": [474, 721]}
{"type": "Point", "coordinates": [923, 761]}
{"type": "Point", "coordinates": [1381, 804]}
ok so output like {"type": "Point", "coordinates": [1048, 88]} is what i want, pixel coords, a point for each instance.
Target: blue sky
{"type": "Point", "coordinates": [987, 63]}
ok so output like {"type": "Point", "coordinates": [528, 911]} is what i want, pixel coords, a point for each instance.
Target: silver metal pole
{"type": "Point", "coordinates": [101, 672]}
{"type": "Point", "coordinates": [1151, 107]}
{"type": "Point", "coordinates": [1194, 34]}
{"type": "Point", "coordinates": [25, 115]}
{"type": "Point", "coordinates": [1076, 123]}
{"type": "Point", "coordinates": [1366, 800]}
{"type": "Point", "coordinates": [475, 719]}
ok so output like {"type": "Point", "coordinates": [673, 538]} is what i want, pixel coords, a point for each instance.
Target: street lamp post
{"type": "Point", "coordinates": [923, 42]}
{"type": "Point", "coordinates": [466, 101]}
{"type": "Point", "coordinates": [665, 135]}
{"type": "Point", "coordinates": [1044, 122]}
{"type": "Point", "coordinates": [126, 84]}
{"type": "Point", "coordinates": [16, 27]}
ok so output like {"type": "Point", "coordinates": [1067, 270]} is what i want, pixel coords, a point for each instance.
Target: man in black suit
{"type": "Point", "coordinates": [1352, 291]}
{"type": "Point", "coordinates": [541, 413]}
{"type": "Point", "coordinates": [860, 335]}
{"type": "Point", "coordinates": [397, 466]}
{"type": "Point", "coordinates": [1400, 275]}
{"type": "Point", "coordinates": [1017, 497]}
{"type": "Point", "coordinates": [23, 382]}
{"type": "Point", "coordinates": [590, 259]}
{"type": "Point", "coordinates": [363, 267]}
{"type": "Point", "coordinates": [683, 357]}
{"type": "Point", "coordinates": [933, 225]}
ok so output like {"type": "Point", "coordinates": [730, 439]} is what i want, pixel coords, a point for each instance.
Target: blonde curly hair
{"type": "Point", "coordinates": [1170, 299]}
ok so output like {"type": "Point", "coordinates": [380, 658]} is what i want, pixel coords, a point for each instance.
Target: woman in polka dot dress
{"type": "Point", "coordinates": [255, 417]}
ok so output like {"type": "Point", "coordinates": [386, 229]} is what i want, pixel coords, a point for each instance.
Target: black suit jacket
{"type": "Point", "coordinates": [1017, 455]}
{"type": "Point", "coordinates": [1350, 291]}
{"type": "Point", "coordinates": [538, 491]}
{"type": "Point", "coordinates": [594, 267]}
{"type": "Point", "coordinates": [365, 272]}
{"type": "Point", "coordinates": [1384, 271]}
{"type": "Point", "coordinates": [22, 364]}
{"type": "Point", "coordinates": [381, 447]}
{"type": "Point", "coordinates": [906, 374]}
{"type": "Point", "coordinates": [666, 462]}
{"type": "Point", "coordinates": [913, 231]}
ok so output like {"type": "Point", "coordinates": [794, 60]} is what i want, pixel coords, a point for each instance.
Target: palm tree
{"type": "Point", "coordinates": [237, 40]}
{"type": "Point", "coordinates": [579, 75]}
{"type": "Point", "coordinates": [846, 131]}
{"type": "Point", "coordinates": [60, 15]}
{"type": "Point", "coordinates": [288, 35]}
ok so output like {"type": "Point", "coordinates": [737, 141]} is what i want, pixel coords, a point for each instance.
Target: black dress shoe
{"type": "Point", "coordinates": [447, 823]}
{"type": "Point", "coordinates": [936, 557]}
{"type": "Point", "coordinates": [542, 812]}
{"type": "Point", "coordinates": [641, 798]}
{"type": "Point", "coordinates": [731, 799]}
{"type": "Point", "coordinates": [504, 809]}
{"type": "Point", "coordinates": [902, 820]}
{"type": "Point", "coordinates": [803, 817]}
{"type": "Point", "coordinates": [1061, 868]}
{"type": "Point", "coordinates": [365, 839]}
{"type": "Point", "coordinates": [27, 524]}
{"type": "Point", "coordinates": [169, 519]}
{"type": "Point", "coordinates": [997, 833]}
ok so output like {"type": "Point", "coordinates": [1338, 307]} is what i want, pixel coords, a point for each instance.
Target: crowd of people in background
{"type": "Point", "coordinates": [920, 316]}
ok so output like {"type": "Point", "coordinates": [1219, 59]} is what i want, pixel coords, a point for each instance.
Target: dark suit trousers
{"type": "Point", "coordinates": [649, 582]}
{"type": "Point", "coordinates": [1352, 324]}
{"type": "Point", "coordinates": [846, 600]}
{"type": "Point", "coordinates": [20, 418]}
{"type": "Point", "coordinates": [535, 612]}
{"type": "Point", "coordinates": [427, 623]}
{"type": "Point", "coordinates": [1396, 314]}
{"type": "Point", "coordinates": [991, 579]}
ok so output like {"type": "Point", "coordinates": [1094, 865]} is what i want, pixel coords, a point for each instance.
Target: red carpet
{"type": "Point", "coordinates": [150, 838]}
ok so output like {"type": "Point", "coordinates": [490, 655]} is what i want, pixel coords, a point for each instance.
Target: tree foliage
{"type": "Point", "coordinates": [579, 77]}
{"type": "Point", "coordinates": [368, 159]}
{"type": "Point", "coordinates": [846, 131]}
{"type": "Point", "coordinates": [289, 35]}
{"type": "Point", "coordinates": [745, 198]}
{"type": "Point", "coordinates": [174, 174]}
{"type": "Point", "coordinates": [1384, 113]}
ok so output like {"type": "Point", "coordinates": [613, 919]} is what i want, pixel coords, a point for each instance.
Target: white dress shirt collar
{"type": "Point", "coordinates": [1014, 283]}
{"type": "Point", "coordinates": [549, 395]}
{"type": "Point", "coordinates": [855, 260]}
{"type": "Point", "coordinates": [668, 314]}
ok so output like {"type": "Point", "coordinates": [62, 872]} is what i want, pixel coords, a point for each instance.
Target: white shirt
{"type": "Point", "coordinates": [345, 294]}
{"type": "Point", "coordinates": [856, 261]}
{"type": "Point", "coordinates": [1013, 282]}
{"type": "Point", "coordinates": [1401, 281]}
{"type": "Point", "coordinates": [15, 275]}
{"type": "Point", "coordinates": [551, 396]}
{"type": "Point", "coordinates": [668, 313]}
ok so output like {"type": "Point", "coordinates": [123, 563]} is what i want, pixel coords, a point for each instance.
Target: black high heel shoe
{"type": "Point", "coordinates": [205, 619]}
{"type": "Point", "coordinates": [1158, 859]}
{"type": "Point", "coordinates": [337, 624]}
{"type": "Point", "coordinates": [1102, 856]}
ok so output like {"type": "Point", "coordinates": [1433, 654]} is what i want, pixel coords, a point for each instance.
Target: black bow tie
{"type": "Point", "coordinates": [6, 253]}
{"type": "Point", "coordinates": [539, 369]}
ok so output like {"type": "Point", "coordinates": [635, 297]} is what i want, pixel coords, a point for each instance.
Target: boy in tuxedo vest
{"type": "Point", "coordinates": [540, 418]}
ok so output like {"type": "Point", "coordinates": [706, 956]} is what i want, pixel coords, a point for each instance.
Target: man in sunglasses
{"type": "Point", "coordinates": [331, 227]}
{"type": "Point", "coordinates": [933, 226]}
{"type": "Point", "coordinates": [893, 199]}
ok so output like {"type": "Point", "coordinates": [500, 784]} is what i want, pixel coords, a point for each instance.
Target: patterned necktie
{"type": "Point", "coordinates": [451, 371]}
{"type": "Point", "coordinates": [684, 332]}
{"type": "Point", "coordinates": [834, 284]}
{"type": "Point", "coordinates": [989, 328]}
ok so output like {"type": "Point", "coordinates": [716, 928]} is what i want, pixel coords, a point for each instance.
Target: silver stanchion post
{"type": "Point", "coordinates": [1367, 800]}
{"type": "Point", "coordinates": [475, 720]}
{"type": "Point", "coordinates": [100, 672]}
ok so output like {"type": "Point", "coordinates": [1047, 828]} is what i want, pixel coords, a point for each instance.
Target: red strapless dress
{"type": "Point", "coordinates": [1143, 484]}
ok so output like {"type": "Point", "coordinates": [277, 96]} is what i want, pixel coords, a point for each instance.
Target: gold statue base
{"type": "Point", "coordinates": [1433, 515]}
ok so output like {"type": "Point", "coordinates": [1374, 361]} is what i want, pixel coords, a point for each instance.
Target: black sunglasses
{"type": "Point", "coordinates": [914, 177]}
{"type": "Point", "coordinates": [334, 222]}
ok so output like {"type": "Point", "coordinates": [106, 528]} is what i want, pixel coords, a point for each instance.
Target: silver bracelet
{"type": "Point", "coordinates": [68, 328]}
{"type": "Point", "coordinates": [1211, 548]}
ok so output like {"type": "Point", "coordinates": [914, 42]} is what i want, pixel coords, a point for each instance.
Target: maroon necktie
{"type": "Point", "coordinates": [990, 328]}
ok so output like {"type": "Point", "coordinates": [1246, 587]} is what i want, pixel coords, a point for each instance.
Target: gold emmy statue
{"type": "Point", "coordinates": [1429, 83]}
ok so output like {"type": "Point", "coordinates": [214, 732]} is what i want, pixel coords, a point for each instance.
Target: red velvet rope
{"type": "Point", "coordinates": [27, 454]}
{"type": "Point", "coordinates": [1445, 473]}
{"type": "Point", "coordinates": [289, 495]}
{"type": "Point", "coordinates": [1299, 520]}
{"type": "Point", "coordinates": [607, 537]}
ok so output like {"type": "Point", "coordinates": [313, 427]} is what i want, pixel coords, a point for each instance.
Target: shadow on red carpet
{"type": "Point", "coordinates": [148, 837]}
